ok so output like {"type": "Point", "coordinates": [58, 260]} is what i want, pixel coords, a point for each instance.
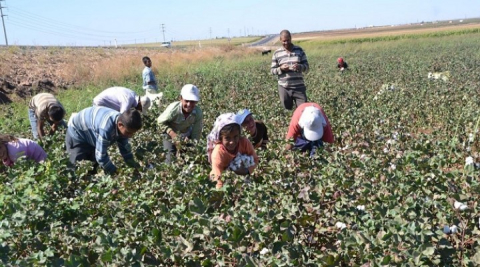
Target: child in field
{"type": "Point", "coordinates": [342, 64]}
{"type": "Point", "coordinates": [11, 148]}
{"type": "Point", "coordinates": [256, 129]}
{"type": "Point", "coordinates": [309, 128]}
{"type": "Point", "coordinates": [225, 144]}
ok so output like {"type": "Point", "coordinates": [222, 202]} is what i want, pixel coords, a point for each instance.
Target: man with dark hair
{"type": "Point", "coordinates": [92, 130]}
{"type": "Point", "coordinates": [149, 82]}
{"type": "Point", "coordinates": [45, 107]}
{"type": "Point", "coordinates": [289, 63]}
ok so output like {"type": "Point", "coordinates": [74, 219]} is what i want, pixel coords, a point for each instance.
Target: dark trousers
{"type": "Point", "coordinates": [170, 148]}
{"type": "Point", "coordinates": [79, 151]}
{"type": "Point", "coordinates": [289, 95]}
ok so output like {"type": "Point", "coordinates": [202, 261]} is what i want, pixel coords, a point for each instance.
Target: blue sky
{"type": "Point", "coordinates": [100, 22]}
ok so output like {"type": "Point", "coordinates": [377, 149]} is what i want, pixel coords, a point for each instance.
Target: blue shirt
{"type": "Point", "coordinates": [148, 76]}
{"type": "Point", "coordinates": [97, 126]}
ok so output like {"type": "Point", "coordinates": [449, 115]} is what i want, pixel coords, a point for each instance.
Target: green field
{"type": "Point", "coordinates": [399, 153]}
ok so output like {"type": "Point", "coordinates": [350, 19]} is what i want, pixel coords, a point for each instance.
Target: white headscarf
{"type": "Point", "coordinates": [213, 137]}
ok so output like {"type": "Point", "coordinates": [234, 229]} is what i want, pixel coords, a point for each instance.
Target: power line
{"type": "Point", "coordinates": [3, 22]}
{"type": "Point", "coordinates": [40, 19]}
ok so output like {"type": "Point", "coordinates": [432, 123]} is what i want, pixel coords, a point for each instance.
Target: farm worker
{"type": "Point", "coordinates": [224, 144]}
{"type": "Point", "coordinates": [181, 121]}
{"type": "Point", "coordinates": [121, 99]}
{"type": "Point", "coordinates": [256, 129]}
{"type": "Point", "coordinates": [149, 82]}
{"type": "Point", "coordinates": [342, 64]}
{"type": "Point", "coordinates": [11, 148]}
{"type": "Point", "coordinates": [45, 107]}
{"type": "Point", "coordinates": [91, 131]}
{"type": "Point", "coordinates": [289, 63]}
{"type": "Point", "coordinates": [309, 128]}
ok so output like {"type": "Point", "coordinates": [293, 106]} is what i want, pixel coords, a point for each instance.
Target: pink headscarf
{"type": "Point", "coordinates": [213, 137]}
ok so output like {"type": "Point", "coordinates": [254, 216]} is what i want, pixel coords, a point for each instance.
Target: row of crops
{"type": "Point", "coordinates": [381, 195]}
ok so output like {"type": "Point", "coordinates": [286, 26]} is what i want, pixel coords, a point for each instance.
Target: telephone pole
{"type": "Point", "coordinates": [163, 31]}
{"type": "Point", "coordinates": [3, 22]}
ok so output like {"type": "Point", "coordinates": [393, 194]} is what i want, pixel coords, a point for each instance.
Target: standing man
{"type": "Point", "coordinates": [121, 99]}
{"type": "Point", "coordinates": [91, 131]}
{"type": "Point", "coordinates": [149, 82]}
{"type": "Point", "coordinates": [45, 107]}
{"type": "Point", "coordinates": [289, 63]}
{"type": "Point", "coordinates": [182, 120]}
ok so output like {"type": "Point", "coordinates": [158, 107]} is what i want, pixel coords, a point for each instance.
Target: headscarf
{"type": "Point", "coordinates": [213, 137]}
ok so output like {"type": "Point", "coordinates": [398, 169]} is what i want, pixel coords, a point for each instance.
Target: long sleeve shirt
{"type": "Point", "coordinates": [149, 77]}
{"type": "Point", "coordinates": [24, 147]}
{"type": "Point", "coordinates": [294, 130]}
{"type": "Point", "coordinates": [221, 158]}
{"type": "Point", "coordinates": [290, 78]}
{"type": "Point", "coordinates": [173, 119]}
{"type": "Point", "coordinates": [117, 98]}
{"type": "Point", "coordinates": [97, 126]}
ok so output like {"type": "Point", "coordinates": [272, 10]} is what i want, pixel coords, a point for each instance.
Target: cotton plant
{"type": "Point", "coordinates": [240, 161]}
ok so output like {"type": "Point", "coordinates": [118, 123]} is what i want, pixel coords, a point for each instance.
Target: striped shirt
{"type": "Point", "coordinates": [290, 78]}
{"type": "Point", "coordinates": [172, 119]}
{"type": "Point", "coordinates": [41, 103]}
{"type": "Point", "coordinates": [97, 126]}
{"type": "Point", "coordinates": [117, 98]}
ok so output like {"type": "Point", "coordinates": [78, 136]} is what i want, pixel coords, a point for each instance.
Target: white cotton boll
{"type": "Point", "coordinates": [361, 207]}
{"type": "Point", "coordinates": [340, 225]}
{"type": "Point", "coordinates": [453, 229]}
{"type": "Point", "coordinates": [470, 138]}
{"type": "Point", "coordinates": [393, 166]}
{"type": "Point", "coordinates": [459, 206]}
{"type": "Point", "coordinates": [468, 161]}
{"type": "Point", "coordinates": [446, 229]}
{"type": "Point", "coordinates": [264, 251]}
{"type": "Point", "coordinates": [385, 150]}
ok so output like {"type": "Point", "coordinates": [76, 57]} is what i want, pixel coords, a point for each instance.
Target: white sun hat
{"type": "Point", "coordinates": [312, 122]}
{"type": "Point", "coordinates": [190, 92]}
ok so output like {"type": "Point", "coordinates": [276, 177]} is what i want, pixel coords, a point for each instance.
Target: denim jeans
{"type": "Point", "coordinates": [306, 145]}
{"type": "Point", "coordinates": [34, 123]}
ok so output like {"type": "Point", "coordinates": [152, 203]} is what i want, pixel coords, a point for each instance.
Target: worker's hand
{"type": "Point", "coordinates": [285, 67]}
{"type": "Point", "coordinates": [242, 171]}
{"type": "Point", "coordinates": [288, 147]}
{"type": "Point", "coordinates": [295, 67]}
{"type": "Point", "coordinates": [132, 163]}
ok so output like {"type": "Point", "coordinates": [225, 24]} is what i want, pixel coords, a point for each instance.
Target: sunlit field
{"type": "Point", "coordinates": [381, 195]}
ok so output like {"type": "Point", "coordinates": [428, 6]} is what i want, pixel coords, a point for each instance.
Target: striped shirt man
{"type": "Point", "coordinates": [290, 78]}
{"type": "Point", "coordinates": [40, 104]}
{"type": "Point", "coordinates": [97, 127]}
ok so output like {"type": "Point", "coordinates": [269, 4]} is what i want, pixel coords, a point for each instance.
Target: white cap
{"type": "Point", "coordinates": [190, 92]}
{"type": "Point", "coordinates": [312, 122]}
{"type": "Point", "coordinates": [145, 101]}
{"type": "Point", "coordinates": [242, 114]}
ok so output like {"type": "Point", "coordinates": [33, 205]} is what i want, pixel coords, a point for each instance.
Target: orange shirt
{"type": "Point", "coordinates": [294, 130]}
{"type": "Point", "coordinates": [221, 158]}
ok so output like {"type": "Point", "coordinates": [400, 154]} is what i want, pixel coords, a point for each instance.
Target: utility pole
{"type": "Point", "coordinates": [3, 22]}
{"type": "Point", "coordinates": [163, 31]}
{"type": "Point", "coordinates": [210, 32]}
